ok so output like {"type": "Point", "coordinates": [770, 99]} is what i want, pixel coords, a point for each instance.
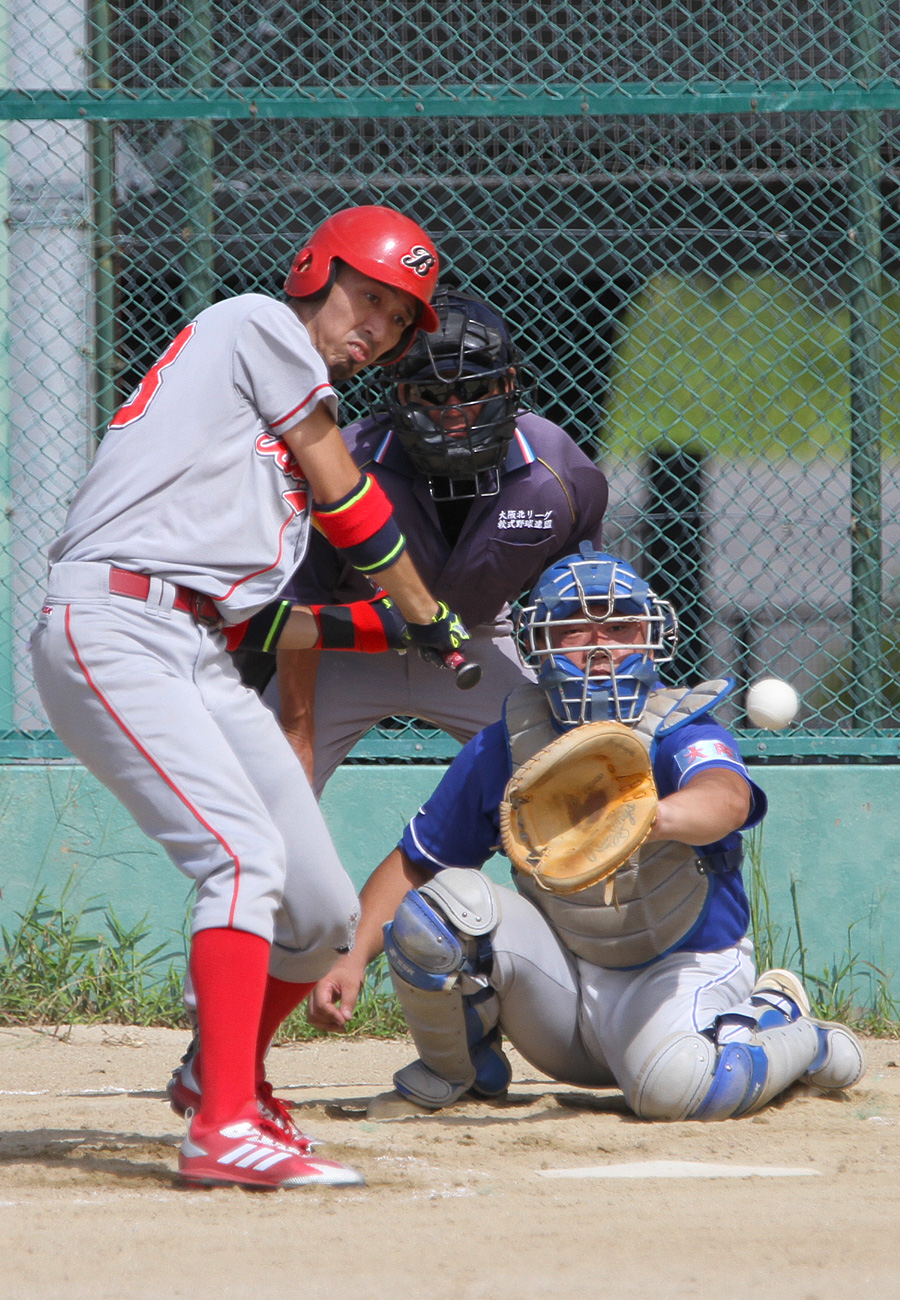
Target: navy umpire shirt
{"type": "Point", "coordinates": [551, 498]}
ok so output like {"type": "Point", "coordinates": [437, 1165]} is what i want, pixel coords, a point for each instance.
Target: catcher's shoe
{"type": "Point", "coordinates": [841, 1062]}
{"type": "Point", "coordinates": [255, 1155]}
{"type": "Point", "coordinates": [397, 1105]}
{"type": "Point", "coordinates": [393, 1105]}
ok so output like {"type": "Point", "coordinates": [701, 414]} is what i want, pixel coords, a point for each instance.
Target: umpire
{"type": "Point", "coordinates": [487, 494]}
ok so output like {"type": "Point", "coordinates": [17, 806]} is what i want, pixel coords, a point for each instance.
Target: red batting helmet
{"type": "Point", "coordinates": [377, 242]}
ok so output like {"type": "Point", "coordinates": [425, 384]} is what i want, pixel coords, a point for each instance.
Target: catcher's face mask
{"type": "Point", "coordinates": [575, 632]}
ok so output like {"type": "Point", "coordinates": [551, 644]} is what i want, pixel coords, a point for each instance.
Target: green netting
{"type": "Point", "coordinates": [687, 211]}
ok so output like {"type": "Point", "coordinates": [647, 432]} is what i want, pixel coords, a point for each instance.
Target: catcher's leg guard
{"type": "Point", "coordinates": [690, 1076]}
{"type": "Point", "coordinates": [676, 1078]}
{"type": "Point", "coordinates": [439, 964]}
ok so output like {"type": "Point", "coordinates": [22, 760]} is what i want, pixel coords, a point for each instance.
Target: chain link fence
{"type": "Point", "coordinates": [689, 212]}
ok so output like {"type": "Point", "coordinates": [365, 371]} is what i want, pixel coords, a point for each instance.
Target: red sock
{"type": "Point", "coordinates": [229, 970]}
{"type": "Point", "coordinates": [280, 1000]}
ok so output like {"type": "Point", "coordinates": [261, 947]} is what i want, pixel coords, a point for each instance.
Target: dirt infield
{"type": "Point", "coordinates": [464, 1206]}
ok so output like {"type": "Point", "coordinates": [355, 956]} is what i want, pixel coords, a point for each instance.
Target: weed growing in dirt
{"type": "Point", "coordinates": [54, 970]}
{"type": "Point", "coordinates": [849, 989]}
{"type": "Point", "coordinates": [59, 968]}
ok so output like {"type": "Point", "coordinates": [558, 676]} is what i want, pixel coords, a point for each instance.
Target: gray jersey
{"type": "Point", "coordinates": [193, 482]}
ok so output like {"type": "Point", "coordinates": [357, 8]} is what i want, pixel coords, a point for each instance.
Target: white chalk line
{"type": "Point", "coordinates": [109, 1090]}
{"type": "Point", "coordinates": [678, 1169]}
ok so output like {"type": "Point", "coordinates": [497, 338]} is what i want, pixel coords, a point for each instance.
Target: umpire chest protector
{"type": "Point", "coordinates": [661, 893]}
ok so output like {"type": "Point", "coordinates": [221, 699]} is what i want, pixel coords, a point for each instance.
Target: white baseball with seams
{"type": "Point", "coordinates": [771, 703]}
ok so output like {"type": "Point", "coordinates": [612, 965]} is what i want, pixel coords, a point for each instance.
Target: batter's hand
{"type": "Point", "coordinates": [331, 1002]}
{"type": "Point", "coordinates": [444, 635]}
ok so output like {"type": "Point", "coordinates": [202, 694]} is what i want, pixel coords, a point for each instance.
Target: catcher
{"type": "Point", "coordinates": [622, 957]}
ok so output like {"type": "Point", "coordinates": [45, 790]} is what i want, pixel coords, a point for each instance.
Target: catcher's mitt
{"type": "Point", "coordinates": [576, 811]}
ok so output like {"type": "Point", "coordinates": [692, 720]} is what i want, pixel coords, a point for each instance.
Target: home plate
{"type": "Point", "coordinates": [677, 1169]}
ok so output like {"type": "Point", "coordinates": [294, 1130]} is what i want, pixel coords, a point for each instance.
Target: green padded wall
{"type": "Point", "coordinates": [834, 831]}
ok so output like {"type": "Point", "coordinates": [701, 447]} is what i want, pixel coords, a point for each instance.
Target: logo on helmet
{"type": "Point", "coordinates": [419, 260]}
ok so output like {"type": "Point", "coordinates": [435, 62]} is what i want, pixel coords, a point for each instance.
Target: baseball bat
{"type": "Point", "coordinates": [467, 671]}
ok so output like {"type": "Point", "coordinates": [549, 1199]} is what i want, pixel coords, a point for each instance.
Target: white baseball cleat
{"type": "Point", "coordinates": [786, 984]}
{"type": "Point", "coordinates": [841, 1061]}
{"type": "Point", "coordinates": [256, 1155]}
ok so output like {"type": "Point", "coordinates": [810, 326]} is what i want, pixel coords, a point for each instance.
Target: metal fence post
{"type": "Point", "coordinates": [864, 274]}
{"type": "Point", "coordinates": [102, 180]}
{"type": "Point", "coordinates": [7, 688]}
{"type": "Point", "coordinates": [198, 257]}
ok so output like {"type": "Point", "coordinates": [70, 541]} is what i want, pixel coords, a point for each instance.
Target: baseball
{"type": "Point", "coordinates": [771, 703]}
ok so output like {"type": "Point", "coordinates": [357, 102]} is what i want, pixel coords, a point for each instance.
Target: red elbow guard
{"type": "Point", "coordinates": [357, 516]}
{"type": "Point", "coordinates": [362, 525]}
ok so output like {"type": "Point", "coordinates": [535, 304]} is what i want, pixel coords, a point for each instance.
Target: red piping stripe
{"type": "Point", "coordinates": [318, 389]}
{"type": "Point", "coordinates": [240, 582]}
{"type": "Point", "coordinates": [156, 767]}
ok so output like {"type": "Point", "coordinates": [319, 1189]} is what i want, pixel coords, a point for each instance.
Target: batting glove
{"type": "Point", "coordinates": [444, 634]}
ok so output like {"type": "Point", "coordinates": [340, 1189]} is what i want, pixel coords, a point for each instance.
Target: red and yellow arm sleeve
{"type": "Point", "coordinates": [362, 525]}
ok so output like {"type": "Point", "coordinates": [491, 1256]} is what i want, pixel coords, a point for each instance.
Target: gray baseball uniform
{"type": "Point", "coordinates": [551, 498]}
{"type": "Point", "coordinates": [196, 506]}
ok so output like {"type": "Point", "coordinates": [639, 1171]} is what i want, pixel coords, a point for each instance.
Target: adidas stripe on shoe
{"type": "Point", "coordinates": [183, 1091]}
{"type": "Point", "coordinates": [255, 1155]}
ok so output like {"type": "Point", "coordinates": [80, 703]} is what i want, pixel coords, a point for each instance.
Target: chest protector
{"type": "Point", "coordinates": [662, 891]}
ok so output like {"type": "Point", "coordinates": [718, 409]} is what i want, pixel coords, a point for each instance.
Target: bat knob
{"type": "Point", "coordinates": [467, 671]}
{"type": "Point", "coordinates": [468, 675]}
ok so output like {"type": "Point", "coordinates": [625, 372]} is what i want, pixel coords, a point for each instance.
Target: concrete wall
{"type": "Point", "coordinates": [832, 830]}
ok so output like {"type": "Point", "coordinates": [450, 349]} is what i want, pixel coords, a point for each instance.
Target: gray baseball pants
{"type": "Point", "coordinates": [354, 692]}
{"type": "Point", "coordinates": [596, 1027]}
{"type": "Point", "coordinates": [150, 702]}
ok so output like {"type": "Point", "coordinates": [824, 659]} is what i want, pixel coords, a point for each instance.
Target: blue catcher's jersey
{"type": "Point", "coordinates": [459, 825]}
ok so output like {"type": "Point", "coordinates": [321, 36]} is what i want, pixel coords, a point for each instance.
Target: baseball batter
{"type": "Point", "coordinates": [487, 494]}
{"type": "Point", "coordinates": [649, 986]}
{"type": "Point", "coordinates": [194, 514]}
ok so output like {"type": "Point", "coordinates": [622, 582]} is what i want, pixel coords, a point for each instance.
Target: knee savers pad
{"type": "Point", "coordinates": [426, 946]}
{"type": "Point", "coordinates": [467, 899]}
{"type": "Point", "coordinates": [689, 1078]}
{"type": "Point", "coordinates": [421, 948]}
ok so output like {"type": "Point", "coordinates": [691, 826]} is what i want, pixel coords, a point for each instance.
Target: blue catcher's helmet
{"type": "Point", "coordinates": [589, 590]}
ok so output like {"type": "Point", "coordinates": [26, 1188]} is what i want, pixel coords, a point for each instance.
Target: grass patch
{"type": "Point", "coordinates": [57, 971]}
{"type": "Point", "coordinates": [849, 989]}
{"type": "Point", "coordinates": [83, 966]}
{"type": "Point", "coordinates": [62, 966]}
